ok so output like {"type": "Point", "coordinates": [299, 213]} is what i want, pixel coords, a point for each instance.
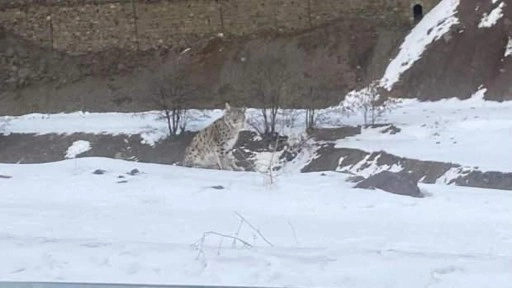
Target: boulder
{"type": "Point", "coordinates": [396, 183]}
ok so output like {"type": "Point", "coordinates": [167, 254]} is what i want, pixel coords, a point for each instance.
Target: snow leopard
{"type": "Point", "coordinates": [212, 147]}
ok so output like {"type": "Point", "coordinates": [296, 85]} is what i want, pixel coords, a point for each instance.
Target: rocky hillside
{"type": "Point", "coordinates": [473, 54]}
{"type": "Point", "coordinates": [322, 64]}
{"type": "Point", "coordinates": [459, 48]}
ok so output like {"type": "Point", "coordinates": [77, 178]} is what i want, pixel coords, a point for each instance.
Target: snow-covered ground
{"type": "Point", "coordinates": [62, 222]}
{"type": "Point", "coordinates": [473, 132]}
{"type": "Point", "coordinates": [149, 125]}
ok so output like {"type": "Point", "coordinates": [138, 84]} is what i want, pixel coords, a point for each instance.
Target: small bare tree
{"type": "Point", "coordinates": [311, 112]}
{"type": "Point", "coordinates": [309, 91]}
{"type": "Point", "coordinates": [169, 90]}
{"type": "Point", "coordinates": [370, 101]}
{"type": "Point", "coordinates": [310, 118]}
{"type": "Point", "coordinates": [318, 74]}
{"type": "Point", "coordinates": [269, 81]}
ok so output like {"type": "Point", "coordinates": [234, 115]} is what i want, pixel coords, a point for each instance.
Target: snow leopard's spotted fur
{"type": "Point", "coordinates": [211, 147]}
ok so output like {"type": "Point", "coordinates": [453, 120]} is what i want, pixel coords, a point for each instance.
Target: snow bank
{"type": "Point", "coordinates": [433, 26]}
{"type": "Point", "coordinates": [77, 148]}
{"type": "Point", "coordinates": [508, 50]}
{"type": "Point", "coordinates": [149, 125]}
{"type": "Point", "coordinates": [489, 20]}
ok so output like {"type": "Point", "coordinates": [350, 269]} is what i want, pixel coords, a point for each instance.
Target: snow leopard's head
{"type": "Point", "coordinates": [234, 117]}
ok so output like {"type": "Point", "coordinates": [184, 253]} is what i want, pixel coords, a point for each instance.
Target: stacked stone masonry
{"type": "Point", "coordinates": [83, 26]}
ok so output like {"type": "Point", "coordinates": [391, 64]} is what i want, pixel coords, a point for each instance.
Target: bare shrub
{"type": "Point", "coordinates": [372, 104]}
{"type": "Point", "coordinates": [235, 238]}
{"type": "Point", "coordinates": [310, 118]}
{"type": "Point", "coordinates": [269, 82]}
{"type": "Point", "coordinates": [169, 90]}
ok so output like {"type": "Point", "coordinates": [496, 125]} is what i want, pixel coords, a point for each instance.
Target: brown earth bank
{"type": "Point", "coordinates": [465, 59]}
{"type": "Point", "coordinates": [321, 63]}
{"type": "Point", "coordinates": [354, 161]}
{"type": "Point", "coordinates": [32, 148]}
{"type": "Point", "coordinates": [29, 148]}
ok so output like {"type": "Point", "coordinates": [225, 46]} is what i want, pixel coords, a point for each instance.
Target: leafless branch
{"type": "Point", "coordinates": [245, 243]}
{"type": "Point", "coordinates": [242, 218]}
{"type": "Point", "coordinates": [170, 89]}
{"type": "Point", "coordinates": [294, 232]}
{"type": "Point", "coordinates": [237, 233]}
{"type": "Point", "coordinates": [371, 103]}
{"type": "Point", "coordinates": [199, 244]}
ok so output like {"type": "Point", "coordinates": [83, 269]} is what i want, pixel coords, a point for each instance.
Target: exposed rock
{"type": "Point", "coordinates": [355, 179]}
{"type": "Point", "coordinates": [396, 183]}
{"type": "Point", "coordinates": [133, 172]}
{"type": "Point", "coordinates": [249, 143]}
{"type": "Point", "coordinates": [99, 172]}
{"type": "Point", "coordinates": [288, 156]}
{"type": "Point", "coordinates": [392, 129]}
{"type": "Point", "coordinates": [494, 180]}
{"type": "Point", "coordinates": [327, 159]}
{"type": "Point", "coordinates": [330, 158]}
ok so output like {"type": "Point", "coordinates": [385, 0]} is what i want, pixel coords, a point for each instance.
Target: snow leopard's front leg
{"type": "Point", "coordinates": [228, 160]}
{"type": "Point", "coordinates": [218, 160]}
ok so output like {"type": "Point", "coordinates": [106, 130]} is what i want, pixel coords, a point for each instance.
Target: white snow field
{"type": "Point", "coordinates": [61, 222]}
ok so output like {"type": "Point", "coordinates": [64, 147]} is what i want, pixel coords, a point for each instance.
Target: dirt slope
{"type": "Point", "coordinates": [465, 59]}
{"type": "Point", "coordinates": [324, 63]}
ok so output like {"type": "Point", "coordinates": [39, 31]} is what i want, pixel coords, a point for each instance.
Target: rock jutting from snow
{"type": "Point", "coordinates": [396, 183]}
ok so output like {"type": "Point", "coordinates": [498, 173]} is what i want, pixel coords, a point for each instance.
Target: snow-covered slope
{"type": "Point", "coordinates": [62, 222]}
{"type": "Point", "coordinates": [457, 47]}
{"type": "Point", "coordinates": [431, 28]}
{"type": "Point", "coordinates": [471, 132]}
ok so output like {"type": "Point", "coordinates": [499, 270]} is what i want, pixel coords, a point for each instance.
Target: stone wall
{"type": "Point", "coordinates": [82, 26]}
